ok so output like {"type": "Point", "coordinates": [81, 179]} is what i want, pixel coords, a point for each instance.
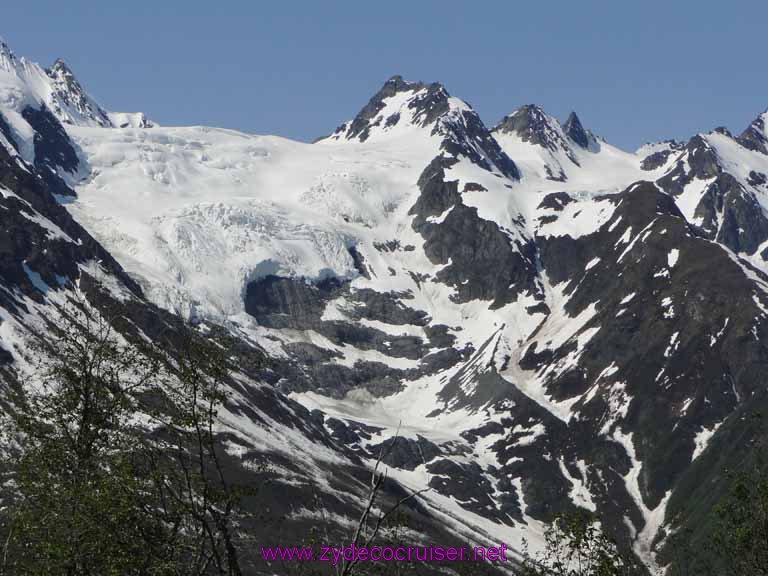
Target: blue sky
{"type": "Point", "coordinates": [633, 71]}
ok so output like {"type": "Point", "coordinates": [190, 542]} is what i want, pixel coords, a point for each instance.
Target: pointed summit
{"type": "Point", "coordinates": [403, 109]}
{"type": "Point", "coordinates": [532, 124]}
{"type": "Point", "coordinates": [754, 137]}
{"type": "Point", "coordinates": [8, 59]}
{"type": "Point", "coordinates": [73, 105]}
{"type": "Point", "coordinates": [60, 67]}
{"type": "Point", "coordinates": [535, 126]}
{"type": "Point", "coordinates": [575, 131]}
{"type": "Point", "coordinates": [414, 102]}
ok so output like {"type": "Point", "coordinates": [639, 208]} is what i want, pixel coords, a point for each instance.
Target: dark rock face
{"type": "Point", "coordinates": [467, 484]}
{"type": "Point", "coordinates": [6, 130]}
{"type": "Point", "coordinates": [727, 212]}
{"type": "Point", "coordinates": [298, 304]}
{"type": "Point", "coordinates": [360, 127]}
{"type": "Point", "coordinates": [672, 345]}
{"type": "Point", "coordinates": [29, 248]}
{"type": "Point", "coordinates": [359, 262]}
{"type": "Point", "coordinates": [703, 163]}
{"type": "Point", "coordinates": [753, 138]}
{"type": "Point", "coordinates": [757, 179]}
{"type": "Point", "coordinates": [556, 201]}
{"type": "Point", "coordinates": [406, 453]}
{"type": "Point", "coordinates": [386, 307]}
{"type": "Point", "coordinates": [485, 263]}
{"type": "Point", "coordinates": [742, 226]}
{"type": "Point", "coordinates": [53, 147]}
{"type": "Point", "coordinates": [660, 158]}
{"type": "Point", "coordinates": [575, 131]}
{"type": "Point", "coordinates": [468, 137]}
{"type": "Point", "coordinates": [533, 125]}
{"type": "Point", "coordinates": [282, 302]}
{"type": "Point", "coordinates": [702, 158]}
{"type": "Point", "coordinates": [655, 160]}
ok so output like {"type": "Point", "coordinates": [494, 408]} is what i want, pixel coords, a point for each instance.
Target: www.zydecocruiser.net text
{"type": "Point", "coordinates": [336, 555]}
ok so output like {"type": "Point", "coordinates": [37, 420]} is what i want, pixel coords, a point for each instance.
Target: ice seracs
{"type": "Point", "coordinates": [130, 120]}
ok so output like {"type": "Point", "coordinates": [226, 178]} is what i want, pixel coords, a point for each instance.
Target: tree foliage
{"type": "Point", "coordinates": [741, 533]}
{"type": "Point", "coordinates": [576, 546]}
{"type": "Point", "coordinates": [114, 465]}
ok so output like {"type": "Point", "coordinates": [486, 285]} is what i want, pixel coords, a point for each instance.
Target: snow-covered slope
{"type": "Point", "coordinates": [199, 212]}
{"type": "Point", "coordinates": [195, 210]}
{"type": "Point", "coordinates": [25, 84]}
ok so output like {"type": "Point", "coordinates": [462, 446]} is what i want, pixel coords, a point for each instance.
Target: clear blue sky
{"type": "Point", "coordinates": [634, 71]}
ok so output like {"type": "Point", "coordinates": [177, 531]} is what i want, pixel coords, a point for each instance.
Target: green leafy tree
{"type": "Point", "coordinates": [741, 533]}
{"type": "Point", "coordinates": [187, 457]}
{"type": "Point", "coordinates": [576, 546]}
{"type": "Point", "coordinates": [81, 504]}
{"type": "Point", "coordinates": [114, 464]}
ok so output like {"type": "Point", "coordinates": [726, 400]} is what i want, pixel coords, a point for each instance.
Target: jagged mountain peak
{"type": "Point", "coordinates": [397, 100]}
{"type": "Point", "coordinates": [532, 125]}
{"type": "Point", "coordinates": [73, 105]}
{"type": "Point", "coordinates": [755, 137]}
{"type": "Point", "coordinates": [530, 122]}
{"type": "Point", "coordinates": [60, 67]}
{"type": "Point", "coordinates": [25, 85]}
{"type": "Point", "coordinates": [722, 130]}
{"type": "Point", "coordinates": [7, 57]}
{"type": "Point", "coordinates": [401, 106]}
{"type": "Point", "coordinates": [397, 84]}
{"type": "Point", "coordinates": [10, 62]}
{"type": "Point", "coordinates": [575, 131]}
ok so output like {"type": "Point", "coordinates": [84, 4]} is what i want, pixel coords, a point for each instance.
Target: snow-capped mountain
{"type": "Point", "coordinates": [69, 102]}
{"type": "Point", "coordinates": [548, 321]}
{"type": "Point", "coordinates": [25, 84]}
